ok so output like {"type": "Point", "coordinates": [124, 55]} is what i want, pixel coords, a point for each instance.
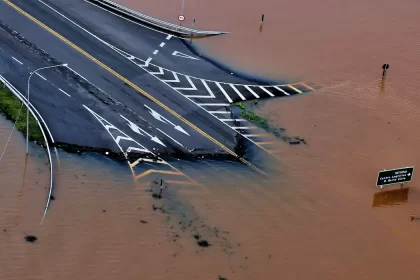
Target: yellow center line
{"type": "Point", "coordinates": [133, 86]}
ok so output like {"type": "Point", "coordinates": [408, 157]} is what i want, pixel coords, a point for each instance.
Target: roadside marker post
{"type": "Point", "coordinates": [262, 22]}
{"type": "Point", "coordinates": [384, 69]}
{"type": "Point", "coordinates": [193, 26]}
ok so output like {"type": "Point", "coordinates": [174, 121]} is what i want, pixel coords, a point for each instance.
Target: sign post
{"type": "Point", "coordinates": [395, 176]}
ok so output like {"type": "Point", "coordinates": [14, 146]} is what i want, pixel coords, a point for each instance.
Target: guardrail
{"type": "Point", "coordinates": [167, 26]}
{"type": "Point", "coordinates": [34, 113]}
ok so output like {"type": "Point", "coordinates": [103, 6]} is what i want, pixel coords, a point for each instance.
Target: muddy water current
{"type": "Point", "coordinates": [320, 217]}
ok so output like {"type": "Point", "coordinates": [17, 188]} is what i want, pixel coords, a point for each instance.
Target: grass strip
{"type": "Point", "coordinates": [251, 116]}
{"type": "Point", "coordinates": [10, 107]}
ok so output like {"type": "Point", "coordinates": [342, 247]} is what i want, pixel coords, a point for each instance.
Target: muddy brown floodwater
{"type": "Point", "coordinates": [321, 218]}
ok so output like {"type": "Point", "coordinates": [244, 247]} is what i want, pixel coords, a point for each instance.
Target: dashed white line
{"type": "Point", "coordinates": [251, 91]}
{"type": "Point", "coordinates": [17, 61]}
{"type": "Point", "coordinates": [41, 76]}
{"type": "Point", "coordinates": [155, 52]}
{"type": "Point", "coordinates": [237, 92]}
{"type": "Point", "coordinates": [64, 92]}
{"type": "Point", "coordinates": [279, 89]}
{"type": "Point", "coordinates": [267, 91]}
{"type": "Point", "coordinates": [162, 44]}
{"type": "Point", "coordinates": [168, 37]}
{"type": "Point", "coordinates": [224, 93]}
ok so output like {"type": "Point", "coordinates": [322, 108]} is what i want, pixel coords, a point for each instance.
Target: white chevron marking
{"type": "Point", "coordinates": [251, 91]}
{"type": "Point", "coordinates": [237, 92]}
{"type": "Point", "coordinates": [279, 89]}
{"type": "Point", "coordinates": [176, 80]}
{"type": "Point", "coordinates": [157, 73]}
{"type": "Point", "coordinates": [203, 96]}
{"type": "Point", "coordinates": [191, 83]}
{"type": "Point", "coordinates": [224, 93]}
{"type": "Point", "coordinates": [267, 91]}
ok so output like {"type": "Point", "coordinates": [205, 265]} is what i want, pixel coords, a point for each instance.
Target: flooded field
{"type": "Point", "coordinates": [321, 217]}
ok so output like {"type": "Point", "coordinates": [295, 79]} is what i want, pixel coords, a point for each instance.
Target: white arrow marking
{"type": "Point", "coordinates": [180, 54]}
{"type": "Point", "coordinates": [140, 131]}
{"type": "Point", "coordinates": [157, 116]}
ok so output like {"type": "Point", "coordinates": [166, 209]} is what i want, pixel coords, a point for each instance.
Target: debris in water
{"type": "Point", "coordinates": [203, 243]}
{"type": "Point", "coordinates": [197, 236]}
{"type": "Point", "coordinates": [31, 238]}
{"type": "Point", "coordinates": [143, 221]}
{"type": "Point", "coordinates": [157, 196]}
{"type": "Point", "coordinates": [222, 278]}
{"type": "Point", "coordinates": [104, 211]}
{"type": "Point", "coordinates": [52, 197]}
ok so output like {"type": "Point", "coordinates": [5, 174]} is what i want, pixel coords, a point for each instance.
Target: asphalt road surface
{"type": "Point", "coordinates": [124, 80]}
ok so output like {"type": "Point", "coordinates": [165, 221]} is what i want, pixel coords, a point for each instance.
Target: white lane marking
{"type": "Point", "coordinates": [224, 93]}
{"type": "Point", "coordinates": [279, 89]}
{"type": "Point", "coordinates": [295, 89]}
{"type": "Point", "coordinates": [17, 61]}
{"type": "Point", "coordinates": [171, 138]}
{"type": "Point", "coordinates": [255, 135]}
{"type": "Point", "coordinates": [191, 83]}
{"type": "Point", "coordinates": [219, 112]}
{"type": "Point", "coordinates": [251, 91]}
{"type": "Point", "coordinates": [203, 96]}
{"type": "Point", "coordinates": [147, 62]}
{"type": "Point", "coordinates": [232, 120]}
{"type": "Point", "coordinates": [162, 44]}
{"type": "Point", "coordinates": [213, 104]}
{"type": "Point", "coordinates": [155, 52]}
{"type": "Point", "coordinates": [64, 92]}
{"type": "Point", "coordinates": [237, 92]}
{"type": "Point", "coordinates": [169, 37]}
{"type": "Point", "coordinates": [267, 91]}
{"type": "Point", "coordinates": [41, 76]}
{"type": "Point", "coordinates": [157, 73]}
{"type": "Point", "coordinates": [176, 80]}
{"type": "Point", "coordinates": [244, 127]}
{"type": "Point", "coordinates": [180, 54]}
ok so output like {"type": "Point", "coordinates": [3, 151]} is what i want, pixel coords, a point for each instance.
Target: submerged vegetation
{"type": "Point", "coordinates": [263, 123]}
{"type": "Point", "coordinates": [252, 117]}
{"type": "Point", "coordinates": [12, 109]}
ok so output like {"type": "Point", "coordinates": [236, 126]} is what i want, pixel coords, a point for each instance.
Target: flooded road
{"type": "Point", "coordinates": [321, 217]}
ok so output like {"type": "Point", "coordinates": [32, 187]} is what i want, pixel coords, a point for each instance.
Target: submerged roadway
{"type": "Point", "coordinates": [126, 84]}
